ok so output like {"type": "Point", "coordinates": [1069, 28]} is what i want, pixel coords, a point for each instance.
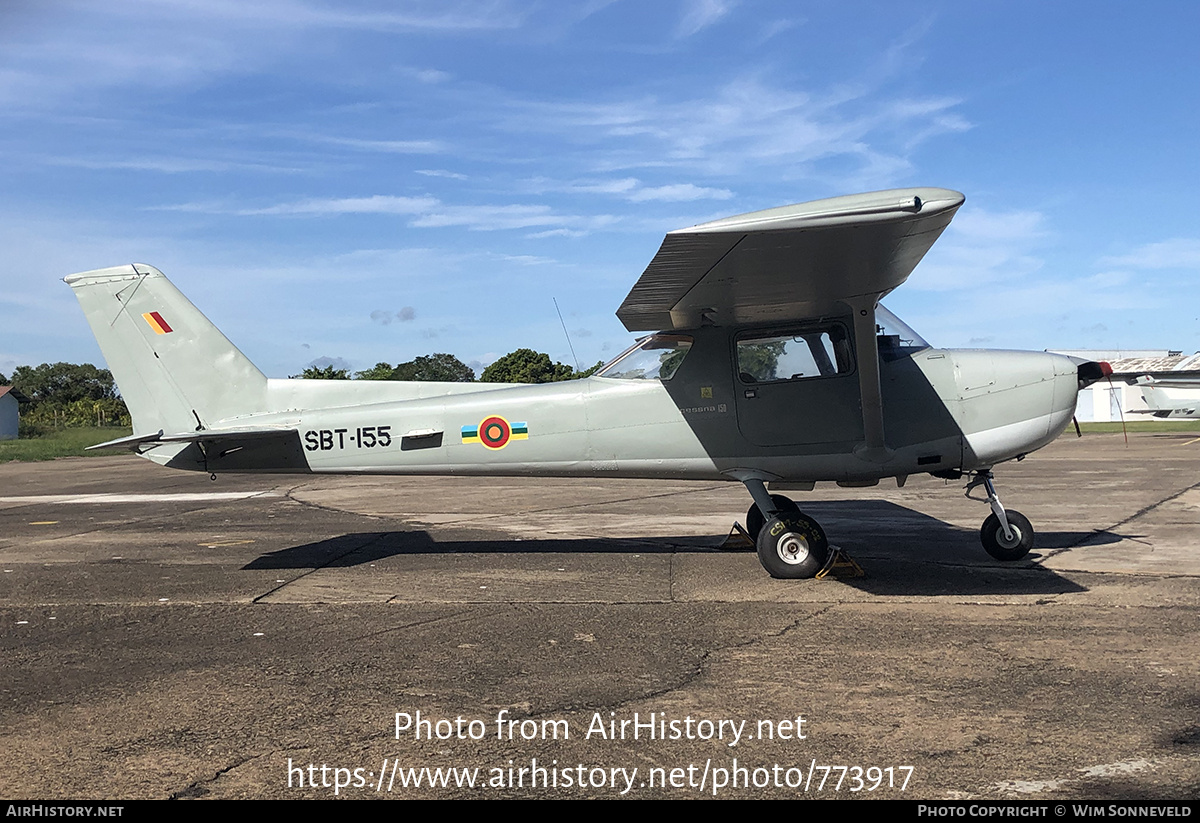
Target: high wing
{"type": "Point", "coordinates": [796, 262]}
{"type": "Point", "coordinates": [789, 262]}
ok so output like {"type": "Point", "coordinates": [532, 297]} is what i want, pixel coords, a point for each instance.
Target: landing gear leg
{"type": "Point", "coordinates": [1006, 535]}
{"type": "Point", "coordinates": [757, 514]}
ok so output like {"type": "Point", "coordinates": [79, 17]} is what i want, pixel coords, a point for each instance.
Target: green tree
{"type": "Point", "coordinates": [589, 372]}
{"type": "Point", "coordinates": [324, 373]}
{"type": "Point", "coordinates": [64, 383]}
{"type": "Point", "coordinates": [760, 359]}
{"type": "Point", "coordinates": [444, 368]}
{"type": "Point", "coordinates": [526, 366]}
{"type": "Point", "coordinates": [380, 371]}
{"type": "Point", "coordinates": [86, 412]}
{"type": "Point", "coordinates": [68, 394]}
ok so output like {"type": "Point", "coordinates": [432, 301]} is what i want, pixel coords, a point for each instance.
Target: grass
{"type": "Point", "coordinates": [1137, 426]}
{"type": "Point", "coordinates": [62, 443]}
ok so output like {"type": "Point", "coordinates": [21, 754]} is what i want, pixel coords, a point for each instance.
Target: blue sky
{"type": "Point", "coordinates": [355, 182]}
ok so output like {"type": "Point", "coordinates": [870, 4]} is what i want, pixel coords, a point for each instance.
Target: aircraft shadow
{"type": "Point", "coordinates": [880, 526]}
{"type": "Point", "coordinates": [904, 552]}
{"type": "Point", "coordinates": [350, 550]}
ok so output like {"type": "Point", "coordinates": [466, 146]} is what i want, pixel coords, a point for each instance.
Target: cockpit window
{"type": "Point", "coordinates": [657, 357]}
{"type": "Point", "coordinates": [794, 354]}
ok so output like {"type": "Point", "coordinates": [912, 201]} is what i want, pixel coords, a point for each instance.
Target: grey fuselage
{"type": "Point", "coordinates": [943, 409]}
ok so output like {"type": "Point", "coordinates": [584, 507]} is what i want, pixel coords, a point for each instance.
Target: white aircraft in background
{"type": "Point", "coordinates": [1170, 397]}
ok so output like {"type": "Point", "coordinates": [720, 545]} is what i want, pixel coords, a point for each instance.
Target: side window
{"type": "Point", "coordinates": [794, 355]}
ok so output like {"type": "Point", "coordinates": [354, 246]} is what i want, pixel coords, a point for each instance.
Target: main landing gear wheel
{"type": "Point", "coordinates": [1002, 548]}
{"type": "Point", "coordinates": [792, 546]}
{"type": "Point", "coordinates": [755, 519]}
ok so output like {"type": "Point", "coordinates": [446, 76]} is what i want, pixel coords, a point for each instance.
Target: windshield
{"type": "Point", "coordinates": [657, 357]}
{"type": "Point", "coordinates": [896, 338]}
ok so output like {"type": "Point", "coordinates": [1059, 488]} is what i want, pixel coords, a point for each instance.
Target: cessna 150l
{"type": "Point", "coordinates": [1170, 397]}
{"type": "Point", "coordinates": [771, 362]}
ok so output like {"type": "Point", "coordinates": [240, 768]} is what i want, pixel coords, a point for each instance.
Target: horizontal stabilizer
{"type": "Point", "coordinates": [1165, 413]}
{"type": "Point", "coordinates": [136, 441]}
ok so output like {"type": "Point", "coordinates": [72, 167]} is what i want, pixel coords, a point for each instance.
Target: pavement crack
{"type": "Point", "coordinates": [702, 664]}
{"type": "Point", "coordinates": [1139, 513]}
{"type": "Point", "coordinates": [409, 625]}
{"type": "Point", "coordinates": [290, 495]}
{"type": "Point", "coordinates": [197, 788]}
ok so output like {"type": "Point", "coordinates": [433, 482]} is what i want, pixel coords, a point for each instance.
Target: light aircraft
{"type": "Point", "coordinates": [770, 363]}
{"type": "Point", "coordinates": [1170, 397]}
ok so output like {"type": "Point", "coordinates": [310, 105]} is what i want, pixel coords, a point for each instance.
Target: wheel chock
{"type": "Point", "coordinates": [840, 564]}
{"type": "Point", "coordinates": [738, 539]}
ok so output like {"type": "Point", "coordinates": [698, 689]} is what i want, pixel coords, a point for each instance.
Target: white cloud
{"type": "Point", "coordinates": [700, 14]}
{"type": "Point", "coordinates": [377, 204]}
{"type": "Point", "coordinates": [981, 248]}
{"type": "Point", "coordinates": [622, 186]}
{"type": "Point", "coordinates": [156, 44]}
{"type": "Point", "coordinates": [492, 218]}
{"type": "Point", "coordinates": [433, 76]}
{"type": "Point", "coordinates": [633, 190]}
{"type": "Point", "coordinates": [427, 16]}
{"type": "Point", "coordinates": [1178, 253]}
{"type": "Point", "coordinates": [746, 123]}
{"type": "Point", "coordinates": [557, 233]}
{"type": "Point", "coordinates": [167, 165]}
{"type": "Point", "coordinates": [680, 192]}
{"type": "Point", "coordinates": [776, 27]}
{"type": "Point", "coordinates": [427, 212]}
{"type": "Point", "coordinates": [387, 146]}
{"type": "Point", "coordinates": [449, 175]}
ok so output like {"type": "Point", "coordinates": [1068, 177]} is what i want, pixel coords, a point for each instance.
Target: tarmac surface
{"type": "Point", "coordinates": [164, 636]}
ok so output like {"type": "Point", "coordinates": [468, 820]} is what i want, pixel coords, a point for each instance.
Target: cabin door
{"type": "Point", "coordinates": [797, 386]}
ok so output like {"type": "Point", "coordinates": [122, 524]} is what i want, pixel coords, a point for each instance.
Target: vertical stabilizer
{"type": "Point", "coordinates": [175, 369]}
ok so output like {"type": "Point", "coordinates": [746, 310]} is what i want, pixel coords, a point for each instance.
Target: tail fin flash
{"type": "Point", "coordinates": [175, 369]}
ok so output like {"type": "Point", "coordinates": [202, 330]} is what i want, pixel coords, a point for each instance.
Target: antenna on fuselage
{"type": "Point", "coordinates": [564, 325]}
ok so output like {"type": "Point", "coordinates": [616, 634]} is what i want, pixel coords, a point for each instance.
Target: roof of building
{"type": "Point", "coordinates": [1136, 362]}
{"type": "Point", "coordinates": [15, 392]}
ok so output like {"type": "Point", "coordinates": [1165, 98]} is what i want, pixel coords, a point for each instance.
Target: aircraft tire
{"type": "Point", "coordinates": [755, 519]}
{"type": "Point", "coordinates": [792, 546]}
{"type": "Point", "coordinates": [992, 537]}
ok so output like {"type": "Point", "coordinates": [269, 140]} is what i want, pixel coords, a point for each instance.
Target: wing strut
{"type": "Point", "coordinates": [874, 447]}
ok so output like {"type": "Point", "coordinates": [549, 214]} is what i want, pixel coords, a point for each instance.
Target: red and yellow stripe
{"type": "Point", "coordinates": [156, 322]}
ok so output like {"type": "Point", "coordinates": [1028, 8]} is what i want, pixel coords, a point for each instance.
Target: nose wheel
{"type": "Point", "coordinates": [1012, 546]}
{"type": "Point", "coordinates": [1006, 535]}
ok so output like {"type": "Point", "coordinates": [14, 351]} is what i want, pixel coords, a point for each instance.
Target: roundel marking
{"type": "Point", "coordinates": [494, 432]}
